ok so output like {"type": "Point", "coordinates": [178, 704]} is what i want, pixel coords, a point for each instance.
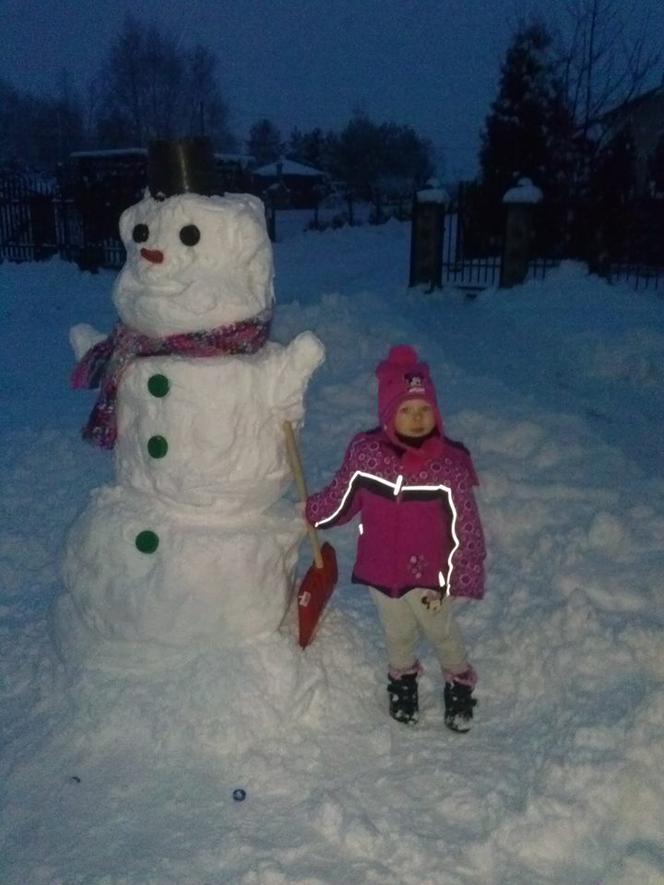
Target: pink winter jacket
{"type": "Point", "coordinates": [419, 522]}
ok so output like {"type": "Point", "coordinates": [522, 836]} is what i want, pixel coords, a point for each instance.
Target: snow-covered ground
{"type": "Point", "coordinates": [127, 777]}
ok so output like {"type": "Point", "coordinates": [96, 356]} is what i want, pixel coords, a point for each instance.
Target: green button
{"type": "Point", "coordinates": [158, 385]}
{"type": "Point", "coordinates": [157, 446]}
{"type": "Point", "coordinates": [147, 541]}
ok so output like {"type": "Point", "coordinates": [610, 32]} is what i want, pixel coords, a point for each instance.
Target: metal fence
{"type": "Point", "coordinates": [39, 218]}
{"type": "Point", "coordinates": [637, 262]}
{"type": "Point", "coordinates": [472, 272]}
{"type": "Point", "coordinates": [77, 243]}
{"type": "Point", "coordinates": [458, 269]}
{"type": "Point", "coordinates": [461, 269]}
{"type": "Point", "coordinates": [27, 218]}
{"type": "Point", "coordinates": [640, 277]}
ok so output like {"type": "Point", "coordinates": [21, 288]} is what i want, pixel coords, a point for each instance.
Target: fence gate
{"type": "Point", "coordinates": [460, 268]}
{"type": "Point", "coordinates": [27, 218]}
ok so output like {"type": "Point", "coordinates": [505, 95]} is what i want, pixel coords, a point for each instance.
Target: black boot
{"type": "Point", "coordinates": [403, 698]}
{"type": "Point", "coordinates": [459, 704]}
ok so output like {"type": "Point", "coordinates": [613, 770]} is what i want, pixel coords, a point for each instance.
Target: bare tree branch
{"type": "Point", "coordinates": [154, 88]}
{"type": "Point", "coordinates": [602, 64]}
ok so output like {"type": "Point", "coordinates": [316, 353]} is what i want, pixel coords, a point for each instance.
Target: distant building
{"type": "Point", "coordinates": [293, 184]}
{"type": "Point", "coordinates": [103, 183]}
{"type": "Point", "coordinates": [122, 172]}
{"type": "Point", "coordinates": [644, 115]}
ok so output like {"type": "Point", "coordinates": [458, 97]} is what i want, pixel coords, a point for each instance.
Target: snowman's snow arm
{"type": "Point", "coordinates": [294, 367]}
{"type": "Point", "coordinates": [82, 337]}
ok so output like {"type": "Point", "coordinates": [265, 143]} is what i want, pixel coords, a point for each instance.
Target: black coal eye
{"type": "Point", "coordinates": [190, 234]}
{"type": "Point", "coordinates": [140, 233]}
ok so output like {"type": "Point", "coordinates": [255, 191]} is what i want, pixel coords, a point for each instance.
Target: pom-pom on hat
{"type": "Point", "coordinates": [401, 377]}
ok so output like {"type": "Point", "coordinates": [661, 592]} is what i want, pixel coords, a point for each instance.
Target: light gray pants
{"type": "Point", "coordinates": [406, 618]}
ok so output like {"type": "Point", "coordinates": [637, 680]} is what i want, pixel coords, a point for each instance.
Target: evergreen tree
{"type": "Point", "coordinates": [359, 157]}
{"type": "Point", "coordinates": [529, 132]}
{"type": "Point", "coordinates": [264, 143]}
{"type": "Point", "coordinates": [407, 158]}
{"type": "Point", "coordinates": [314, 148]}
{"type": "Point", "coordinates": [371, 157]}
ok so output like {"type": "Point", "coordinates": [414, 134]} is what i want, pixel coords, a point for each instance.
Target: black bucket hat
{"type": "Point", "coordinates": [182, 166]}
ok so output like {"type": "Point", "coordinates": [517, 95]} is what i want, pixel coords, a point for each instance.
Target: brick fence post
{"type": "Point", "coordinates": [519, 202]}
{"type": "Point", "coordinates": [426, 239]}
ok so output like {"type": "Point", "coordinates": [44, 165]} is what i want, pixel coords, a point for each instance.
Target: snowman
{"type": "Point", "coordinates": [194, 545]}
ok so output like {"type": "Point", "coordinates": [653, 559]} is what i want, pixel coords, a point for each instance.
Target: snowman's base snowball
{"type": "Point", "coordinates": [80, 646]}
{"type": "Point", "coordinates": [138, 571]}
{"type": "Point", "coordinates": [204, 700]}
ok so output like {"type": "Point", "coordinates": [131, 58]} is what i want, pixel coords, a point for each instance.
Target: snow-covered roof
{"type": "Point", "coordinates": [433, 195]}
{"type": "Point", "coordinates": [524, 192]}
{"type": "Point", "coordinates": [111, 152]}
{"type": "Point", "coordinates": [243, 159]}
{"type": "Point", "coordinates": [288, 167]}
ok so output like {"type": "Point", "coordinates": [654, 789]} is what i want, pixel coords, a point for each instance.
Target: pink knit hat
{"type": "Point", "coordinates": [401, 377]}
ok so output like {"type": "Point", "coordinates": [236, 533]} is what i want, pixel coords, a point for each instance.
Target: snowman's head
{"type": "Point", "coordinates": [193, 263]}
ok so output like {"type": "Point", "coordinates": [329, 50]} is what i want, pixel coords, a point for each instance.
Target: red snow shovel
{"type": "Point", "coordinates": [318, 584]}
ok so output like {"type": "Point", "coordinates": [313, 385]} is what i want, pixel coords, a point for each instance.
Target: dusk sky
{"type": "Point", "coordinates": [432, 64]}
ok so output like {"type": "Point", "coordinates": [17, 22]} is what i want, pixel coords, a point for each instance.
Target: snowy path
{"type": "Point", "coordinates": [114, 778]}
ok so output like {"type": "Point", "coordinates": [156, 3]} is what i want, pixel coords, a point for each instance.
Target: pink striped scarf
{"type": "Point", "coordinates": [105, 363]}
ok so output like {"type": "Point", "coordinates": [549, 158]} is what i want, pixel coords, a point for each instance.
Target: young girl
{"type": "Point", "coordinates": [420, 541]}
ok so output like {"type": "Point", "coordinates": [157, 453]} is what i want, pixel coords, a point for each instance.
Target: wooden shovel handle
{"type": "Point", "coordinates": [298, 476]}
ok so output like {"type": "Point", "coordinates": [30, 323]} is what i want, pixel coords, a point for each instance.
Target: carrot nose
{"type": "Point", "coordinates": [156, 256]}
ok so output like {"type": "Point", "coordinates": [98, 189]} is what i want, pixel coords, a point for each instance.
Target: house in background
{"type": "Point", "coordinates": [292, 184]}
{"type": "Point", "coordinates": [644, 115]}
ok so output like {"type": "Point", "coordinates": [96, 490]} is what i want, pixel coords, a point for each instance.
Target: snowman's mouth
{"type": "Point", "coordinates": [169, 295]}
